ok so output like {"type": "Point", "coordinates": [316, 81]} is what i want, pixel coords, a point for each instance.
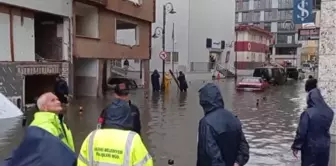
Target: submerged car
{"type": "Point", "coordinates": [252, 84]}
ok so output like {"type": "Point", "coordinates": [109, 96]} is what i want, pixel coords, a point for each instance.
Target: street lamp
{"type": "Point", "coordinates": [167, 8]}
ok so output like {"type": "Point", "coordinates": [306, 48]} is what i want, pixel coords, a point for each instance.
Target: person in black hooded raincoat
{"type": "Point", "coordinates": [221, 141]}
{"type": "Point", "coordinates": [155, 78]}
{"type": "Point", "coordinates": [183, 82]}
{"type": "Point", "coordinates": [312, 135]}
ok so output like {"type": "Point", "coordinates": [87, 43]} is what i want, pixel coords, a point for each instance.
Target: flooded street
{"type": "Point", "coordinates": [170, 122]}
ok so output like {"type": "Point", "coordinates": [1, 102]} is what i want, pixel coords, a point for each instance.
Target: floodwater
{"type": "Point", "coordinates": [170, 122]}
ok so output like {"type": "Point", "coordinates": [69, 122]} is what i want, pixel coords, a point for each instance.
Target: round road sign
{"type": "Point", "coordinates": [249, 46]}
{"type": "Point", "coordinates": [163, 55]}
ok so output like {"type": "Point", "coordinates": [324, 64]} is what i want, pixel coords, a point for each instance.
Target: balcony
{"type": "Point", "coordinates": [102, 3]}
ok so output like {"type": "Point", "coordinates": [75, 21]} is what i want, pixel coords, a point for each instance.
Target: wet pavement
{"type": "Point", "coordinates": [170, 122]}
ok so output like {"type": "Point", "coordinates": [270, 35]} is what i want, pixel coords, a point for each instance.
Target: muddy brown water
{"type": "Point", "coordinates": [170, 122]}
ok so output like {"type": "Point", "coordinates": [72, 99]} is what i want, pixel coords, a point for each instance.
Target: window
{"type": "Point", "coordinates": [256, 16]}
{"type": "Point", "coordinates": [126, 33]}
{"type": "Point", "coordinates": [285, 14]}
{"type": "Point", "coordinates": [286, 38]}
{"type": "Point", "coordinates": [236, 17]}
{"type": "Point", "coordinates": [285, 3]}
{"type": "Point", "coordinates": [286, 26]}
{"type": "Point", "coordinates": [86, 20]}
{"type": "Point", "coordinates": [268, 4]}
{"type": "Point", "coordinates": [267, 26]}
{"type": "Point", "coordinates": [257, 4]}
{"type": "Point", "coordinates": [268, 16]}
{"type": "Point", "coordinates": [242, 5]}
{"type": "Point", "coordinates": [175, 57]}
{"type": "Point", "coordinates": [246, 17]}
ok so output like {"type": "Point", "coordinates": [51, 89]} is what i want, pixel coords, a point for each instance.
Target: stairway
{"type": "Point", "coordinates": [227, 70]}
{"type": "Point", "coordinates": [118, 71]}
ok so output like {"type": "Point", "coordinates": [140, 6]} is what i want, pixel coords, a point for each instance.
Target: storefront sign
{"type": "Point", "coordinates": [39, 69]}
{"type": "Point", "coordinates": [309, 34]}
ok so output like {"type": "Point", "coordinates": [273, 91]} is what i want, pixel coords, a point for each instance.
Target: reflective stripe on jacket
{"type": "Point", "coordinates": [113, 147]}
{"type": "Point", "coordinates": [50, 122]}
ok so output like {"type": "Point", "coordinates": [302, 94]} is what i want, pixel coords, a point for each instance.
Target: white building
{"type": "Point", "coordinates": [36, 46]}
{"type": "Point", "coordinates": [195, 21]}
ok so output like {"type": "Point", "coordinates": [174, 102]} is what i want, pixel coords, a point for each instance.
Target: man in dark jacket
{"type": "Point", "coordinates": [311, 83]}
{"type": "Point", "coordinates": [121, 93]}
{"type": "Point", "coordinates": [221, 141]}
{"type": "Point", "coordinates": [182, 81]}
{"type": "Point", "coordinates": [61, 90]}
{"type": "Point", "coordinates": [155, 79]}
{"type": "Point", "coordinates": [312, 135]}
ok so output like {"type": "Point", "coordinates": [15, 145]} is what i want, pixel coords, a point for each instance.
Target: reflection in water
{"type": "Point", "coordinates": [170, 122]}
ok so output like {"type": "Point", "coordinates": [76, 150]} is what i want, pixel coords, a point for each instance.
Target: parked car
{"type": "Point", "coordinates": [273, 75]}
{"type": "Point", "coordinates": [113, 81]}
{"type": "Point", "coordinates": [252, 84]}
{"type": "Point", "coordinates": [292, 72]}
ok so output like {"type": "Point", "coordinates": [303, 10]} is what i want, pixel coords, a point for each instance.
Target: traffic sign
{"type": "Point", "coordinates": [163, 55]}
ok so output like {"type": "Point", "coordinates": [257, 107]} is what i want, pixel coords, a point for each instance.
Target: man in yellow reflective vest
{"type": "Point", "coordinates": [47, 140]}
{"type": "Point", "coordinates": [114, 144]}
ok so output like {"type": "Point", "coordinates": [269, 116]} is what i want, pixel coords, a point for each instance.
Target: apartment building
{"type": "Point", "coordinates": [276, 17]}
{"type": "Point", "coordinates": [35, 47]}
{"type": "Point", "coordinates": [107, 30]}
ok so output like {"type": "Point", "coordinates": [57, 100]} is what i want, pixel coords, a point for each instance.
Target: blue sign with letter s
{"type": "Point", "coordinates": [303, 11]}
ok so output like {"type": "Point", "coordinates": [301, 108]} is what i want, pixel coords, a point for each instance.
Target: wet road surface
{"type": "Point", "coordinates": [170, 122]}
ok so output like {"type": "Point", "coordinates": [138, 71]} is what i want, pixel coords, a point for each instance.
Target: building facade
{"type": "Point", "coordinates": [107, 30]}
{"type": "Point", "coordinates": [36, 47]}
{"type": "Point", "coordinates": [252, 48]}
{"type": "Point", "coordinates": [200, 28]}
{"type": "Point", "coordinates": [276, 17]}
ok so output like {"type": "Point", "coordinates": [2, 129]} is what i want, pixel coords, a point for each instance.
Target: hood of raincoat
{"type": "Point", "coordinates": [315, 100]}
{"type": "Point", "coordinates": [118, 115]}
{"type": "Point", "coordinates": [210, 98]}
{"type": "Point", "coordinates": [40, 148]}
{"type": "Point", "coordinates": [155, 72]}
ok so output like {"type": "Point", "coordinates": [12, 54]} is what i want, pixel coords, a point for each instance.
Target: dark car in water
{"type": "Point", "coordinates": [273, 75]}
{"type": "Point", "coordinates": [252, 84]}
{"type": "Point", "coordinates": [292, 72]}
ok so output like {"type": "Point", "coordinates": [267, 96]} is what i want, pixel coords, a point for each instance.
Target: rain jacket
{"type": "Point", "coordinates": [183, 82]}
{"type": "Point", "coordinates": [221, 141]}
{"type": "Point", "coordinates": [155, 78]}
{"type": "Point", "coordinates": [136, 118]}
{"type": "Point", "coordinates": [118, 115]}
{"type": "Point", "coordinates": [312, 135]}
{"type": "Point", "coordinates": [41, 148]}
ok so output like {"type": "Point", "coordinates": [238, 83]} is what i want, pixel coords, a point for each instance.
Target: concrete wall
{"type": "Point", "coordinates": [86, 76]}
{"type": "Point", "coordinates": [58, 7]}
{"type": "Point", "coordinates": [327, 56]}
{"type": "Point", "coordinates": [24, 40]}
{"type": "Point", "coordinates": [4, 38]}
{"type": "Point", "coordinates": [23, 36]}
{"type": "Point", "coordinates": [209, 19]}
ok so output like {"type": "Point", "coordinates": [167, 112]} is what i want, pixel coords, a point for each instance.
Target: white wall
{"type": "Point", "coordinates": [58, 7]}
{"type": "Point", "coordinates": [181, 20]}
{"type": "Point", "coordinates": [86, 67]}
{"type": "Point", "coordinates": [4, 38]}
{"type": "Point", "coordinates": [64, 30]}
{"type": "Point", "coordinates": [24, 40]}
{"type": "Point", "coordinates": [210, 19]}
{"type": "Point", "coordinates": [91, 19]}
